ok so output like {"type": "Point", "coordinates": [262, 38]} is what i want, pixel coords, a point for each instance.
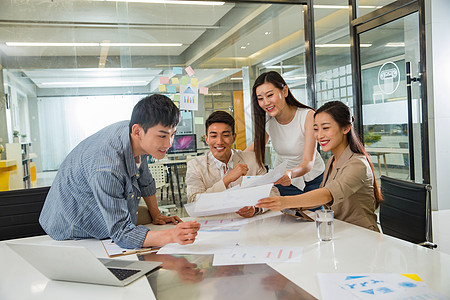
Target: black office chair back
{"type": "Point", "coordinates": [405, 212]}
{"type": "Point", "coordinates": [19, 212]}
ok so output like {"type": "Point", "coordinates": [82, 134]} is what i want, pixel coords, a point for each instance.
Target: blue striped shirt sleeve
{"type": "Point", "coordinates": [107, 188]}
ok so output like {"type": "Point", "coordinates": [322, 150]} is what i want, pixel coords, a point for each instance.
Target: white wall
{"type": "Point", "coordinates": [438, 66]}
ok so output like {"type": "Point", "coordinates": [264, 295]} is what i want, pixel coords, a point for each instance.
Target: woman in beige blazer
{"type": "Point", "coordinates": [349, 186]}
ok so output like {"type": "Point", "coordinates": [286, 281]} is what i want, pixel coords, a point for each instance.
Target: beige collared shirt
{"type": "Point", "coordinates": [350, 183]}
{"type": "Point", "coordinates": [203, 176]}
{"type": "Point", "coordinates": [224, 168]}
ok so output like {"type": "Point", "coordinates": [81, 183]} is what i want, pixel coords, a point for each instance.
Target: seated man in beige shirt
{"type": "Point", "coordinates": [222, 167]}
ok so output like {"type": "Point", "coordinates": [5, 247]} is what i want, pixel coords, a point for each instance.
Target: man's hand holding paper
{"type": "Point", "coordinates": [235, 174]}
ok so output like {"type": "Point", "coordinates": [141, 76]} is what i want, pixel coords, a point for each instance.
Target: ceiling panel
{"type": "Point", "coordinates": [111, 12]}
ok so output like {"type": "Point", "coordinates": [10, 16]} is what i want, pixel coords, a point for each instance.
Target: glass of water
{"type": "Point", "coordinates": [325, 224]}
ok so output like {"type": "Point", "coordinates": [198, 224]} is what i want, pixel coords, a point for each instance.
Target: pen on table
{"type": "Point", "coordinates": [140, 250]}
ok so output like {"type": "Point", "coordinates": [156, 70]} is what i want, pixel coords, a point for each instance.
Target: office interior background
{"type": "Point", "coordinates": [72, 67]}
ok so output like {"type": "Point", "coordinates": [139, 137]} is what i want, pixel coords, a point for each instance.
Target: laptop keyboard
{"type": "Point", "coordinates": [122, 274]}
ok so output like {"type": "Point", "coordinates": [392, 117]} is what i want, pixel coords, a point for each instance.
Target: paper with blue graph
{"type": "Point", "coordinates": [374, 286]}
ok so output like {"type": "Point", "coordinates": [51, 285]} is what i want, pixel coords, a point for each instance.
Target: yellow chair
{"type": "Point", "coordinates": [33, 177]}
{"type": "Point", "coordinates": [9, 177]}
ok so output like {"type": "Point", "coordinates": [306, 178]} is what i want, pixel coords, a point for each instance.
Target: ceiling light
{"type": "Point", "coordinates": [267, 32]}
{"type": "Point", "coordinates": [40, 44]}
{"type": "Point", "coordinates": [95, 83]}
{"type": "Point", "coordinates": [236, 78]}
{"type": "Point", "coordinates": [32, 44]}
{"type": "Point", "coordinates": [141, 44]}
{"type": "Point", "coordinates": [330, 6]}
{"type": "Point", "coordinates": [168, 2]}
{"type": "Point", "coordinates": [243, 47]}
{"type": "Point", "coordinates": [254, 55]}
{"type": "Point", "coordinates": [344, 6]}
{"type": "Point", "coordinates": [340, 45]}
{"type": "Point", "coordinates": [399, 44]}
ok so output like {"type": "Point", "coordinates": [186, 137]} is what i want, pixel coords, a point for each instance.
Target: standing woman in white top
{"type": "Point", "coordinates": [289, 124]}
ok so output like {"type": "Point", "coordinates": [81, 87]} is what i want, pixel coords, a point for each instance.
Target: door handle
{"type": "Point", "coordinates": [410, 79]}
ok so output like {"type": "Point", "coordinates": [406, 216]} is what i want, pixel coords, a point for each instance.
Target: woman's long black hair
{"type": "Point", "coordinates": [341, 114]}
{"type": "Point", "coordinates": [259, 115]}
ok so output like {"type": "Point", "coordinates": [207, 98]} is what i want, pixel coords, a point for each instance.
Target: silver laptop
{"type": "Point", "coordinates": [78, 264]}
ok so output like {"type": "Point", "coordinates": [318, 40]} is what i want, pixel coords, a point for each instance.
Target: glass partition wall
{"type": "Point", "coordinates": [69, 68]}
{"type": "Point", "coordinates": [387, 121]}
{"type": "Point", "coordinates": [391, 88]}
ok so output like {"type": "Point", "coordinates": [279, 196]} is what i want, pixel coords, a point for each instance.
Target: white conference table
{"type": "Point", "coordinates": [353, 250]}
{"type": "Point", "coordinates": [441, 230]}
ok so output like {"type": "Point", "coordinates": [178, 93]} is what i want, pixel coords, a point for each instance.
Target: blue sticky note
{"type": "Point", "coordinates": [354, 277]}
{"type": "Point", "coordinates": [177, 70]}
{"type": "Point", "coordinates": [371, 292]}
{"type": "Point", "coordinates": [171, 89]}
{"type": "Point", "coordinates": [407, 284]}
{"type": "Point", "coordinates": [385, 290]}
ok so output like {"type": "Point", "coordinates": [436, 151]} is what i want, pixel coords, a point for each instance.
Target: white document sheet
{"type": "Point", "coordinates": [241, 255]}
{"type": "Point", "coordinates": [205, 243]}
{"type": "Point", "coordinates": [228, 201]}
{"type": "Point", "coordinates": [375, 286]}
{"type": "Point", "coordinates": [231, 224]}
{"type": "Point", "coordinates": [271, 177]}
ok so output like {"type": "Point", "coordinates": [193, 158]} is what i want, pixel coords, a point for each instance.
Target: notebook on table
{"type": "Point", "coordinates": [78, 264]}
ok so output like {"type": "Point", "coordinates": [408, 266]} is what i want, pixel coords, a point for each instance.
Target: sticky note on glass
{"type": "Point", "coordinates": [203, 90]}
{"type": "Point", "coordinates": [171, 89]}
{"type": "Point", "coordinates": [164, 80]}
{"type": "Point", "coordinates": [194, 82]}
{"type": "Point", "coordinates": [175, 80]}
{"type": "Point", "coordinates": [162, 88]}
{"type": "Point", "coordinates": [189, 71]}
{"type": "Point", "coordinates": [198, 120]}
{"type": "Point", "coordinates": [177, 104]}
{"type": "Point", "coordinates": [176, 98]}
{"type": "Point", "coordinates": [177, 70]}
{"type": "Point", "coordinates": [184, 80]}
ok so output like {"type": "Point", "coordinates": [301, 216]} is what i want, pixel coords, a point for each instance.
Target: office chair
{"type": "Point", "coordinates": [19, 212]}
{"type": "Point", "coordinates": [405, 212]}
{"type": "Point", "coordinates": [159, 173]}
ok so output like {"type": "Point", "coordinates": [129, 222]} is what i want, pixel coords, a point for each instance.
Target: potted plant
{"type": "Point", "coordinates": [370, 138]}
{"type": "Point", "coordinates": [2, 149]}
{"type": "Point", "coordinates": [23, 137]}
{"type": "Point", "coordinates": [16, 136]}
{"type": "Point", "coordinates": [203, 139]}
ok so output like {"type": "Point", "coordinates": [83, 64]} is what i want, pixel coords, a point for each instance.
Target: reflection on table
{"type": "Point", "coordinates": [193, 277]}
{"type": "Point", "coordinates": [353, 250]}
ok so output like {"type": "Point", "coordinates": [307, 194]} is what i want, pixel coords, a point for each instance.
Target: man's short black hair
{"type": "Point", "coordinates": [153, 110]}
{"type": "Point", "coordinates": [220, 116]}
